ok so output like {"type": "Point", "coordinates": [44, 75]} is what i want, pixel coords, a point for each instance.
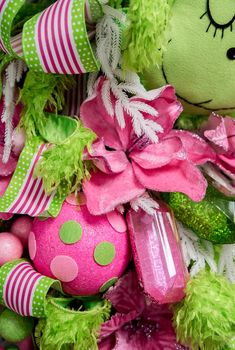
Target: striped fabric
{"type": "Point", "coordinates": [57, 40]}
{"type": "Point", "coordinates": [55, 45]}
{"type": "Point", "coordinates": [76, 96]}
{"type": "Point", "coordinates": [16, 43]}
{"type": "Point", "coordinates": [8, 11]}
{"type": "Point", "coordinates": [32, 199]}
{"type": "Point", "coordinates": [19, 288]}
{"type": "Point", "coordinates": [3, 6]}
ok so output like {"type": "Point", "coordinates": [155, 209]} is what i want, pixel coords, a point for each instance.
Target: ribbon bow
{"type": "Point", "coordinates": [56, 40]}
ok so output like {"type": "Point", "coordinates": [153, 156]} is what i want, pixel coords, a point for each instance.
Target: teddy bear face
{"type": "Point", "coordinates": [199, 60]}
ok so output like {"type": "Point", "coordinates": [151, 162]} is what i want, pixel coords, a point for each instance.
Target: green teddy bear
{"type": "Point", "coordinates": [199, 55]}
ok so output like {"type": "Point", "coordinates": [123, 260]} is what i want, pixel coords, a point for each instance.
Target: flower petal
{"type": "Point", "coordinates": [107, 161]}
{"type": "Point", "coordinates": [217, 135]}
{"type": "Point", "coordinates": [197, 150]}
{"type": "Point", "coordinates": [177, 176]}
{"type": "Point", "coordinates": [116, 322]}
{"type": "Point", "coordinates": [126, 295]}
{"type": "Point", "coordinates": [104, 192]}
{"type": "Point", "coordinates": [95, 116]}
{"type": "Point", "coordinates": [164, 101]}
{"type": "Point", "coordinates": [157, 155]}
{"type": "Point", "coordinates": [227, 164]}
{"type": "Point", "coordinates": [8, 168]}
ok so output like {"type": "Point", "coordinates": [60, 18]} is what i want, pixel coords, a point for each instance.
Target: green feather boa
{"type": "Point", "coordinates": [146, 36]}
{"type": "Point", "coordinates": [42, 91]}
{"type": "Point", "coordinates": [66, 329]}
{"type": "Point", "coordinates": [205, 319]}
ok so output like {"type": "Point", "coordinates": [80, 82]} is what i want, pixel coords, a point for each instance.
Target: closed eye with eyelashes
{"type": "Point", "coordinates": [213, 24]}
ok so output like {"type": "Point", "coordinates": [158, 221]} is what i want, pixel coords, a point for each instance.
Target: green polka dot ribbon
{"type": "Point", "coordinates": [56, 40]}
{"type": "Point", "coordinates": [8, 11]}
{"type": "Point", "coordinates": [25, 194]}
{"type": "Point", "coordinates": [24, 290]}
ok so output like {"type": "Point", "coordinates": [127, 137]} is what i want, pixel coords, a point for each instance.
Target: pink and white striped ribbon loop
{"type": "Point", "coordinates": [57, 41]}
{"type": "Point", "coordinates": [24, 290]}
{"type": "Point", "coordinates": [8, 11]}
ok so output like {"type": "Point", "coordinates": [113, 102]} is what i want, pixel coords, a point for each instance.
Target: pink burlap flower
{"type": "Point", "coordinates": [220, 132]}
{"type": "Point", "coordinates": [128, 165]}
{"type": "Point", "coordinates": [138, 323]}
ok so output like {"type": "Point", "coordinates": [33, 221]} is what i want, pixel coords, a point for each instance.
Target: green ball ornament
{"type": "Point", "coordinates": [13, 327]}
{"type": "Point", "coordinates": [199, 58]}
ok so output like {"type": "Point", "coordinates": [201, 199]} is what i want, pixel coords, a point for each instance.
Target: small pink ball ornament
{"type": "Point", "coordinates": [21, 228]}
{"type": "Point", "coordinates": [11, 248]}
{"type": "Point", "coordinates": [86, 253]}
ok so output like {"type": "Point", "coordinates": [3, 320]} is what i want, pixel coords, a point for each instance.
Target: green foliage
{"type": "Point", "coordinates": [205, 319]}
{"type": "Point", "coordinates": [145, 37]}
{"type": "Point", "coordinates": [61, 166]}
{"type": "Point", "coordinates": [42, 91]}
{"type": "Point", "coordinates": [66, 329]}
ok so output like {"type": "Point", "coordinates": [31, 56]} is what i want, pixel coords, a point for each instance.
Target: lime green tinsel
{"type": "Point", "coordinates": [205, 319]}
{"type": "Point", "coordinates": [65, 329]}
{"type": "Point", "coordinates": [42, 91]}
{"type": "Point", "coordinates": [61, 166]}
{"type": "Point", "coordinates": [146, 36]}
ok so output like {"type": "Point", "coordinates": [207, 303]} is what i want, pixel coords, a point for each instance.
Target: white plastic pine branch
{"type": "Point", "coordinates": [226, 264]}
{"type": "Point", "coordinates": [144, 202]}
{"type": "Point", "coordinates": [13, 74]}
{"type": "Point", "coordinates": [120, 84]}
{"type": "Point", "coordinates": [196, 251]}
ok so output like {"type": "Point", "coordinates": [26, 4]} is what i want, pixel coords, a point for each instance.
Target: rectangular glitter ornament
{"type": "Point", "coordinates": [157, 254]}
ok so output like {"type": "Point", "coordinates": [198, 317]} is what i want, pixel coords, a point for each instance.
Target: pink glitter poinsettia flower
{"type": "Point", "coordinates": [138, 324]}
{"type": "Point", "coordinates": [220, 132]}
{"type": "Point", "coordinates": [128, 165]}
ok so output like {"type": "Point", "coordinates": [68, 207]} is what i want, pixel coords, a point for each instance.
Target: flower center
{"type": "Point", "coordinates": [140, 325]}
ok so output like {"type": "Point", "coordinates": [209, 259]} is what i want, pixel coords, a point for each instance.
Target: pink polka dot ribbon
{"type": "Point", "coordinates": [24, 290]}
{"type": "Point", "coordinates": [56, 40]}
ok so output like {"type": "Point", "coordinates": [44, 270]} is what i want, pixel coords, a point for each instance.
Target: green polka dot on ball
{"type": "Point", "coordinates": [70, 232]}
{"type": "Point", "coordinates": [108, 284]}
{"type": "Point", "coordinates": [104, 253]}
{"type": "Point", "coordinates": [13, 327]}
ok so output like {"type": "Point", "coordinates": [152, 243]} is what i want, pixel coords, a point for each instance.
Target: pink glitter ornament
{"type": "Point", "coordinates": [10, 248]}
{"type": "Point", "coordinates": [21, 228]}
{"type": "Point", "coordinates": [86, 253]}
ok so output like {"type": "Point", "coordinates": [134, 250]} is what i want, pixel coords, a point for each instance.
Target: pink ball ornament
{"type": "Point", "coordinates": [21, 228]}
{"type": "Point", "coordinates": [18, 141]}
{"type": "Point", "coordinates": [11, 248]}
{"type": "Point", "coordinates": [4, 182]}
{"type": "Point", "coordinates": [86, 253]}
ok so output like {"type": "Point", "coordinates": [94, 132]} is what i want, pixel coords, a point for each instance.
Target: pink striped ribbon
{"type": "Point", "coordinates": [76, 96]}
{"type": "Point", "coordinates": [32, 199]}
{"type": "Point", "coordinates": [3, 5]}
{"type": "Point", "coordinates": [19, 288]}
{"type": "Point", "coordinates": [55, 44]}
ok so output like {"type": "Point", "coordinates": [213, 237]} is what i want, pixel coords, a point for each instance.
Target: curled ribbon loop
{"type": "Point", "coordinates": [25, 194]}
{"type": "Point", "coordinates": [24, 290]}
{"type": "Point", "coordinates": [56, 40]}
{"type": "Point", "coordinates": [8, 11]}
